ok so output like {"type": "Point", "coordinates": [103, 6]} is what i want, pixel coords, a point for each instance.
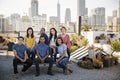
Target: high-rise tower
{"type": "Point", "coordinates": [58, 11]}
{"type": "Point", "coordinates": [67, 15]}
{"type": "Point", "coordinates": [34, 8]}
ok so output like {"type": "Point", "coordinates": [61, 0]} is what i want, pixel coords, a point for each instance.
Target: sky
{"type": "Point", "coordinates": [49, 7]}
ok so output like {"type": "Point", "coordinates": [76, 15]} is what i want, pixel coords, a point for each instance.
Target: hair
{"type": "Point", "coordinates": [60, 39]}
{"type": "Point", "coordinates": [52, 34]}
{"type": "Point", "coordinates": [63, 27]}
{"type": "Point", "coordinates": [20, 37]}
{"type": "Point", "coordinates": [43, 29]}
{"type": "Point", "coordinates": [41, 37]}
{"type": "Point", "coordinates": [32, 35]}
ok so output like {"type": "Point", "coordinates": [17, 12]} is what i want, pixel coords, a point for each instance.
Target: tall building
{"type": "Point", "coordinates": [3, 24]}
{"type": "Point", "coordinates": [118, 9]}
{"type": "Point", "coordinates": [114, 13]}
{"type": "Point", "coordinates": [67, 15]}
{"type": "Point", "coordinates": [98, 17]}
{"type": "Point", "coordinates": [34, 8]}
{"type": "Point", "coordinates": [58, 11]}
{"type": "Point", "coordinates": [80, 7]}
{"type": "Point", "coordinates": [14, 21]}
{"type": "Point", "coordinates": [82, 11]}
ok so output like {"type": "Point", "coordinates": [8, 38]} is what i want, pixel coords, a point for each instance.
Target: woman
{"type": "Point", "coordinates": [66, 39]}
{"type": "Point", "coordinates": [30, 43]}
{"type": "Point", "coordinates": [52, 43]}
{"type": "Point", "coordinates": [61, 62]}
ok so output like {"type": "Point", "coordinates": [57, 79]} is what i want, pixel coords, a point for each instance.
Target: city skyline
{"type": "Point", "coordinates": [49, 7]}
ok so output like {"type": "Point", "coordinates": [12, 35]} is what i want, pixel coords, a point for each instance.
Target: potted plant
{"type": "Point", "coordinates": [97, 63]}
{"type": "Point", "coordinates": [107, 60]}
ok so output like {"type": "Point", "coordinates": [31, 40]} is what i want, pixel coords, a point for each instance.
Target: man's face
{"type": "Point", "coordinates": [42, 31]}
{"type": "Point", "coordinates": [42, 40]}
{"type": "Point", "coordinates": [20, 41]}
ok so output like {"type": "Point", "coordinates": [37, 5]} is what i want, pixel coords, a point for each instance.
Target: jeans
{"type": "Point", "coordinates": [68, 52]}
{"type": "Point", "coordinates": [51, 53]}
{"type": "Point", "coordinates": [16, 61]}
{"type": "Point", "coordinates": [31, 53]}
{"type": "Point", "coordinates": [62, 63]}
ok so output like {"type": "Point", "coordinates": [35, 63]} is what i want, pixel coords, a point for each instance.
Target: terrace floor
{"type": "Point", "coordinates": [6, 72]}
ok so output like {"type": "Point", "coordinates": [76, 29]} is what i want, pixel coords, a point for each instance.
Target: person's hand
{"type": "Point", "coordinates": [22, 60]}
{"type": "Point", "coordinates": [42, 61]}
{"type": "Point", "coordinates": [57, 60]}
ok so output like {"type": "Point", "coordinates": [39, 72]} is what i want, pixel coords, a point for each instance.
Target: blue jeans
{"type": "Point", "coordinates": [31, 53]}
{"type": "Point", "coordinates": [51, 53]}
{"type": "Point", "coordinates": [62, 63]}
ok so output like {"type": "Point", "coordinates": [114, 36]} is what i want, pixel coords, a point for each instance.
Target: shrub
{"type": "Point", "coordinates": [73, 48]}
{"type": "Point", "coordinates": [115, 46]}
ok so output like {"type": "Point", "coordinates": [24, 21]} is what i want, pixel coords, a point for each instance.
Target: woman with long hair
{"type": "Point", "coordinates": [62, 61]}
{"type": "Point", "coordinates": [52, 43]}
{"type": "Point", "coordinates": [30, 42]}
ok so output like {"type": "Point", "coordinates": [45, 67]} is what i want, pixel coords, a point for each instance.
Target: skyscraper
{"type": "Point", "coordinates": [81, 7]}
{"type": "Point", "coordinates": [3, 24]}
{"type": "Point", "coordinates": [118, 9]}
{"type": "Point", "coordinates": [98, 16]}
{"type": "Point", "coordinates": [114, 13]}
{"type": "Point", "coordinates": [82, 11]}
{"type": "Point", "coordinates": [58, 11]}
{"type": "Point", "coordinates": [67, 15]}
{"type": "Point", "coordinates": [34, 8]}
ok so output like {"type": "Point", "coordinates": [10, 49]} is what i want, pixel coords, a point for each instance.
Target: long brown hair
{"type": "Point", "coordinates": [32, 35]}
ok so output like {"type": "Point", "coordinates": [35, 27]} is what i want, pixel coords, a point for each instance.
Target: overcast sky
{"type": "Point", "coordinates": [49, 7]}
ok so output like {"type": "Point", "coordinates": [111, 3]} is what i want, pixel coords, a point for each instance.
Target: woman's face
{"type": "Point", "coordinates": [29, 31]}
{"type": "Point", "coordinates": [59, 41]}
{"type": "Point", "coordinates": [63, 30]}
{"type": "Point", "coordinates": [52, 31]}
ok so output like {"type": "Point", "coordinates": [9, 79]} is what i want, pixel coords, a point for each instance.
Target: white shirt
{"type": "Point", "coordinates": [53, 41]}
{"type": "Point", "coordinates": [107, 48]}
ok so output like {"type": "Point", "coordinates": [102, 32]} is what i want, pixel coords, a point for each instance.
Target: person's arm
{"type": "Point", "coordinates": [33, 43]}
{"type": "Point", "coordinates": [26, 56]}
{"type": "Point", "coordinates": [68, 41]}
{"type": "Point", "coordinates": [46, 39]}
{"type": "Point", "coordinates": [38, 55]}
{"type": "Point", "coordinates": [64, 53]}
{"type": "Point", "coordinates": [15, 54]}
{"type": "Point", "coordinates": [47, 54]}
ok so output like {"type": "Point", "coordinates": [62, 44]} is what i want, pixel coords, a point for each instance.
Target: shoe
{"type": "Point", "coordinates": [67, 72]}
{"type": "Point", "coordinates": [71, 71]}
{"type": "Point", "coordinates": [37, 74]}
{"type": "Point", "coordinates": [50, 73]}
{"type": "Point", "coordinates": [15, 72]}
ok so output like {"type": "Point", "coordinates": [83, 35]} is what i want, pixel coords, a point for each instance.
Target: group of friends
{"type": "Point", "coordinates": [44, 51]}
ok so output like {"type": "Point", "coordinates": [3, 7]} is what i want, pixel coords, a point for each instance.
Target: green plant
{"type": "Point", "coordinates": [115, 46]}
{"type": "Point", "coordinates": [107, 57]}
{"type": "Point", "coordinates": [79, 40]}
{"type": "Point", "coordinates": [86, 64]}
{"type": "Point", "coordinates": [102, 36]}
{"type": "Point", "coordinates": [73, 48]}
{"type": "Point", "coordinates": [97, 63]}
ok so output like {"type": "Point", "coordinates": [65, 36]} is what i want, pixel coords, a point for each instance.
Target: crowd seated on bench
{"type": "Point", "coordinates": [44, 51]}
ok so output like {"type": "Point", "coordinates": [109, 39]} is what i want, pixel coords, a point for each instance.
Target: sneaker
{"type": "Point", "coordinates": [16, 72]}
{"type": "Point", "coordinates": [37, 74]}
{"type": "Point", "coordinates": [50, 73]}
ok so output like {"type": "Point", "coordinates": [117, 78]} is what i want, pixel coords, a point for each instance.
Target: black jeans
{"type": "Point", "coordinates": [16, 61]}
{"type": "Point", "coordinates": [47, 60]}
{"type": "Point", "coordinates": [68, 52]}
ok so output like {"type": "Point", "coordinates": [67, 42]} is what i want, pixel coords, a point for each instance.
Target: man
{"type": "Point", "coordinates": [20, 56]}
{"type": "Point", "coordinates": [42, 56]}
{"type": "Point", "coordinates": [42, 33]}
